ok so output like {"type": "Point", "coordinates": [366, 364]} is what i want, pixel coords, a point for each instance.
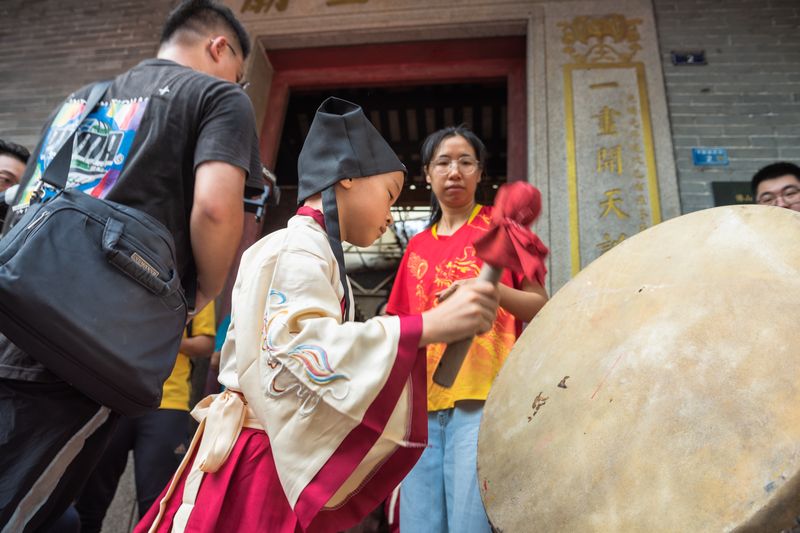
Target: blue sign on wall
{"type": "Point", "coordinates": [709, 157]}
{"type": "Point", "coordinates": [697, 57]}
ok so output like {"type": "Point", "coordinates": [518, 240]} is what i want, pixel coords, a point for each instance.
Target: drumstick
{"type": "Point", "coordinates": [454, 354]}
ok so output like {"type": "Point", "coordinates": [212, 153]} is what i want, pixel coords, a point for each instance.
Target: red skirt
{"type": "Point", "coordinates": [244, 495]}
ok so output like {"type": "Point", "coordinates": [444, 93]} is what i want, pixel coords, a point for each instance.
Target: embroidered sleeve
{"type": "Point", "coordinates": [307, 351]}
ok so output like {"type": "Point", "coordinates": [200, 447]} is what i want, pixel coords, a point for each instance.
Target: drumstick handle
{"type": "Point", "coordinates": [454, 354]}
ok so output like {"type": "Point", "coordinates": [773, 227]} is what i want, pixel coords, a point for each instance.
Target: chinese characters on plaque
{"type": "Point", "coordinates": [613, 187]}
{"type": "Point", "coordinates": [613, 198]}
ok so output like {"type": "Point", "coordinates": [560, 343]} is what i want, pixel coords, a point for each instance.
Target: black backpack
{"type": "Point", "coordinates": [90, 289]}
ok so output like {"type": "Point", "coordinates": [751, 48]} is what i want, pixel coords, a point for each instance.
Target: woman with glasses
{"type": "Point", "coordinates": [441, 493]}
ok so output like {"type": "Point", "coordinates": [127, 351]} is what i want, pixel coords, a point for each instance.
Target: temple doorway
{"type": "Point", "coordinates": [479, 84]}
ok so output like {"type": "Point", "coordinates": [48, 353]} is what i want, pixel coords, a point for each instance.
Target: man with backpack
{"type": "Point", "coordinates": [173, 137]}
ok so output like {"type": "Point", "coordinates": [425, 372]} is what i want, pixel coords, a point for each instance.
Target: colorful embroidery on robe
{"type": "Point", "coordinates": [315, 361]}
{"type": "Point", "coordinates": [313, 358]}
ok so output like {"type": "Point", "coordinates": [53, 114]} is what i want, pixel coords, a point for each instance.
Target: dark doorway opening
{"type": "Point", "coordinates": [405, 116]}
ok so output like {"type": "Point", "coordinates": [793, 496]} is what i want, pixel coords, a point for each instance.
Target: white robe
{"type": "Point", "coordinates": [343, 403]}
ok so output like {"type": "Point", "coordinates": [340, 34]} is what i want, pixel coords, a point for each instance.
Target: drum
{"type": "Point", "coordinates": [659, 390]}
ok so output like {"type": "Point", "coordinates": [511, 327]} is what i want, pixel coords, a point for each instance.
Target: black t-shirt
{"type": "Point", "coordinates": [140, 147]}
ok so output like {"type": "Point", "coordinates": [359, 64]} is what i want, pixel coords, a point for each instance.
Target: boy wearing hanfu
{"type": "Point", "coordinates": [322, 416]}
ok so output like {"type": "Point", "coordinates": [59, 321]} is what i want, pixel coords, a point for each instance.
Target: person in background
{"type": "Point", "coordinates": [441, 493]}
{"type": "Point", "coordinates": [13, 159]}
{"type": "Point", "coordinates": [778, 184]}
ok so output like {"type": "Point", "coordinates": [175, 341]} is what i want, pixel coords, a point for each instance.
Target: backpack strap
{"type": "Point", "coordinates": [57, 171]}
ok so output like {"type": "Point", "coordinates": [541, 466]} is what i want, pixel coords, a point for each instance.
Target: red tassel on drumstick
{"type": "Point", "coordinates": [509, 243]}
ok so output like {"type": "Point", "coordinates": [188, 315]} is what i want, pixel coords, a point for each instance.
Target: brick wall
{"type": "Point", "coordinates": [52, 47]}
{"type": "Point", "coordinates": [747, 99]}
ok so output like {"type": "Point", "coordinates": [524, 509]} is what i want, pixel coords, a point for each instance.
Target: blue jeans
{"type": "Point", "coordinates": [441, 493]}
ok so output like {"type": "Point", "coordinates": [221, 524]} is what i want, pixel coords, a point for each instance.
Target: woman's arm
{"type": "Point", "coordinates": [200, 346]}
{"type": "Point", "coordinates": [523, 303]}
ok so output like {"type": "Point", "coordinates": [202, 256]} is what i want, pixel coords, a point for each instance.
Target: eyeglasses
{"type": "Point", "coordinates": [466, 165]}
{"type": "Point", "coordinates": [790, 195]}
{"type": "Point", "coordinates": [244, 84]}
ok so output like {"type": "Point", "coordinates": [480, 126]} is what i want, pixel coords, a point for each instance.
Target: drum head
{"type": "Point", "coordinates": [659, 390]}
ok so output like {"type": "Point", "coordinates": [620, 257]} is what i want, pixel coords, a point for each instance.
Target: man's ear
{"type": "Point", "coordinates": [215, 47]}
{"type": "Point", "coordinates": [346, 183]}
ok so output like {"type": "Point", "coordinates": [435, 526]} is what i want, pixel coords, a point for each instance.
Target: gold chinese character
{"type": "Point", "coordinates": [610, 159]}
{"type": "Point", "coordinates": [642, 226]}
{"type": "Point", "coordinates": [640, 200]}
{"type": "Point", "coordinates": [639, 186]}
{"type": "Point", "coordinates": [610, 204]}
{"type": "Point", "coordinates": [608, 243]}
{"type": "Point", "coordinates": [263, 6]}
{"type": "Point", "coordinates": [606, 120]}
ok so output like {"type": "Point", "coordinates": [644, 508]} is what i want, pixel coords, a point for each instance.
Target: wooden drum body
{"type": "Point", "coordinates": [659, 390]}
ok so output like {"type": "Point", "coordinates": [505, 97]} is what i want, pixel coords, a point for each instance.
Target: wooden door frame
{"type": "Point", "coordinates": [392, 64]}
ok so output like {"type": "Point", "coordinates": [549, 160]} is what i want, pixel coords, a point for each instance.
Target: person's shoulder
{"type": "Point", "coordinates": [213, 89]}
{"type": "Point", "coordinates": [420, 239]}
{"type": "Point", "coordinates": [194, 83]}
{"type": "Point", "coordinates": [223, 99]}
{"type": "Point", "coordinates": [483, 218]}
{"type": "Point", "coordinates": [299, 237]}
{"type": "Point", "coordinates": [206, 313]}
{"type": "Point", "coordinates": [306, 236]}
{"type": "Point", "coordinates": [203, 321]}
{"type": "Point", "coordinates": [81, 93]}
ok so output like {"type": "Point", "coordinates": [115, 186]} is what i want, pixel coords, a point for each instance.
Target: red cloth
{"type": "Point", "coordinates": [509, 243]}
{"type": "Point", "coordinates": [316, 214]}
{"type": "Point", "coordinates": [244, 495]}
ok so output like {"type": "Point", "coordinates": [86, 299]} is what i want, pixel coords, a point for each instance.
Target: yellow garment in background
{"type": "Point", "coordinates": [177, 388]}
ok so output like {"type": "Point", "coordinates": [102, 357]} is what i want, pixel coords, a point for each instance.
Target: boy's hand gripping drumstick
{"type": "Point", "coordinates": [509, 243]}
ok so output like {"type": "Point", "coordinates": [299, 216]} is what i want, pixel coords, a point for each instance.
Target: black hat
{"type": "Point", "coordinates": [341, 143]}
